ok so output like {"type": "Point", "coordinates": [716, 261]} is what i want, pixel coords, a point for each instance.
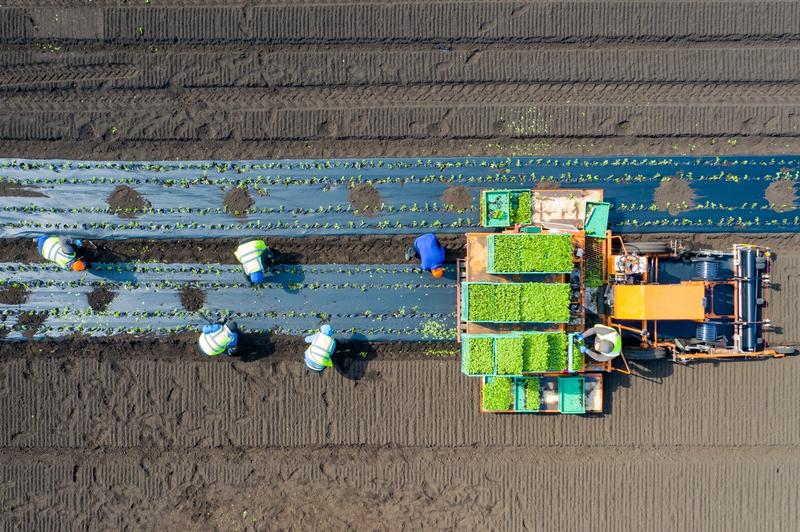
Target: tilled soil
{"type": "Point", "coordinates": [100, 297]}
{"type": "Point", "coordinates": [143, 433]}
{"type": "Point", "coordinates": [126, 202]}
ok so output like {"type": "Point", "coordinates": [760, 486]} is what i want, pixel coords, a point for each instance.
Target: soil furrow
{"type": "Point", "coordinates": [420, 488]}
{"type": "Point", "coordinates": [379, 22]}
{"type": "Point", "coordinates": [122, 402]}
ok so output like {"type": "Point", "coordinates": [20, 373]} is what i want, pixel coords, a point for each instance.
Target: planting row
{"type": "Point", "coordinates": [233, 199]}
{"type": "Point", "coordinates": [529, 253]}
{"type": "Point", "coordinates": [518, 353]}
{"type": "Point", "coordinates": [516, 302]}
{"type": "Point", "coordinates": [439, 164]}
{"type": "Point", "coordinates": [380, 302]}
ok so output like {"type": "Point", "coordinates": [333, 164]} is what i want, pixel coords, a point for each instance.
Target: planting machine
{"type": "Point", "coordinates": [555, 260]}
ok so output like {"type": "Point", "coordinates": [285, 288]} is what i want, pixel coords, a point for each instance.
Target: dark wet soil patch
{"type": "Point", "coordinates": [13, 295]}
{"type": "Point", "coordinates": [782, 195]}
{"type": "Point", "coordinates": [192, 298]}
{"type": "Point", "coordinates": [237, 201]}
{"type": "Point", "coordinates": [457, 198]}
{"type": "Point", "coordinates": [10, 189]}
{"type": "Point", "coordinates": [365, 200]}
{"type": "Point", "coordinates": [125, 202]}
{"type": "Point", "coordinates": [674, 196]}
{"type": "Point", "coordinates": [349, 249]}
{"type": "Point", "coordinates": [29, 323]}
{"type": "Point", "coordinates": [100, 298]}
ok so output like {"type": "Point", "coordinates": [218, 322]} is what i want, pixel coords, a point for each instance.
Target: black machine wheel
{"type": "Point", "coordinates": [637, 353]}
{"type": "Point", "coordinates": [785, 350]}
{"type": "Point", "coordinates": [647, 247]}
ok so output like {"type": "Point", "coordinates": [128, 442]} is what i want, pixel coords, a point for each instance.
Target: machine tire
{"type": "Point", "coordinates": [785, 350]}
{"type": "Point", "coordinates": [637, 353]}
{"type": "Point", "coordinates": [647, 247]}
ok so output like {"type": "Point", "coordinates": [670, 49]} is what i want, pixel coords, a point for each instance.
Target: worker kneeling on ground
{"type": "Point", "coordinates": [318, 354]}
{"type": "Point", "coordinates": [219, 338]}
{"type": "Point", "coordinates": [59, 250]}
{"type": "Point", "coordinates": [430, 252]}
{"type": "Point", "coordinates": [607, 343]}
{"type": "Point", "coordinates": [251, 254]}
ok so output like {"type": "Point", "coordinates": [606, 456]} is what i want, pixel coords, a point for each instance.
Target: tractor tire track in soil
{"type": "Point", "coordinates": [135, 402]}
{"type": "Point", "coordinates": [372, 487]}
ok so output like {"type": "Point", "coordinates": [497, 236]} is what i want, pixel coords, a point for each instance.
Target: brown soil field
{"type": "Point", "coordinates": [143, 434]}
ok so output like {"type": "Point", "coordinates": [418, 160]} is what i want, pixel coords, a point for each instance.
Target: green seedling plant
{"type": "Point", "coordinates": [509, 355]}
{"type": "Point", "coordinates": [497, 394]}
{"type": "Point", "coordinates": [544, 352]}
{"type": "Point", "coordinates": [532, 394]}
{"type": "Point", "coordinates": [480, 358]}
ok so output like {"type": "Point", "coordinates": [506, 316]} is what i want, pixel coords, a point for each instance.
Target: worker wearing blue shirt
{"type": "Point", "coordinates": [430, 252]}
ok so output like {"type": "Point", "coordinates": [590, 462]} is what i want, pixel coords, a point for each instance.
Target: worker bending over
{"type": "Point", "coordinates": [59, 250]}
{"type": "Point", "coordinates": [607, 343]}
{"type": "Point", "coordinates": [318, 354]}
{"type": "Point", "coordinates": [219, 338]}
{"type": "Point", "coordinates": [251, 254]}
{"type": "Point", "coordinates": [430, 252]}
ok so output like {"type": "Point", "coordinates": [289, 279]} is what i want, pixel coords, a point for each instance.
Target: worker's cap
{"type": "Point", "coordinates": [232, 326]}
{"type": "Point", "coordinates": [326, 329]}
{"type": "Point", "coordinates": [257, 277]}
{"type": "Point", "coordinates": [78, 265]}
{"type": "Point", "coordinates": [604, 346]}
{"type": "Point", "coordinates": [437, 272]}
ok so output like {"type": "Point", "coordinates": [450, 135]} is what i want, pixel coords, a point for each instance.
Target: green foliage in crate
{"type": "Point", "coordinates": [480, 358]}
{"type": "Point", "coordinates": [497, 394]}
{"type": "Point", "coordinates": [544, 302]}
{"type": "Point", "coordinates": [509, 355]}
{"type": "Point", "coordinates": [507, 302]}
{"type": "Point", "coordinates": [481, 302]}
{"type": "Point", "coordinates": [532, 397]}
{"type": "Point", "coordinates": [532, 253]}
{"type": "Point", "coordinates": [521, 208]}
{"type": "Point", "coordinates": [544, 352]}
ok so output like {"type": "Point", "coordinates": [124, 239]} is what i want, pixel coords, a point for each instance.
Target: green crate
{"type": "Point", "coordinates": [571, 395]}
{"type": "Point", "coordinates": [490, 258]}
{"type": "Point", "coordinates": [465, 305]}
{"type": "Point", "coordinates": [496, 202]}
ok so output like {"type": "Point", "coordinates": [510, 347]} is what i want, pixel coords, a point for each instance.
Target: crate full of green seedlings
{"type": "Point", "coordinates": [477, 355]}
{"type": "Point", "coordinates": [515, 302]}
{"type": "Point", "coordinates": [504, 208]}
{"type": "Point", "coordinates": [529, 253]}
{"type": "Point", "coordinates": [527, 394]}
{"type": "Point", "coordinates": [497, 394]}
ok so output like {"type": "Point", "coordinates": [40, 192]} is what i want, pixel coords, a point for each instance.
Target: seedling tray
{"type": "Point", "coordinates": [490, 262]}
{"type": "Point", "coordinates": [519, 394]}
{"type": "Point", "coordinates": [465, 306]}
{"type": "Point", "coordinates": [465, 339]}
{"type": "Point", "coordinates": [496, 206]}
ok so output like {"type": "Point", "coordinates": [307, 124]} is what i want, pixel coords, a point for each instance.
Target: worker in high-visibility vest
{"type": "Point", "coordinates": [607, 343]}
{"type": "Point", "coordinates": [250, 254]}
{"type": "Point", "coordinates": [219, 338]}
{"type": "Point", "coordinates": [318, 354]}
{"type": "Point", "coordinates": [61, 251]}
{"type": "Point", "coordinates": [430, 252]}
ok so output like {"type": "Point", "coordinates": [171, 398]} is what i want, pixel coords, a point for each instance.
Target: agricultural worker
{"type": "Point", "coordinates": [318, 354]}
{"type": "Point", "coordinates": [430, 252]}
{"type": "Point", "coordinates": [219, 338]}
{"type": "Point", "coordinates": [251, 253]}
{"type": "Point", "coordinates": [607, 343]}
{"type": "Point", "coordinates": [59, 250]}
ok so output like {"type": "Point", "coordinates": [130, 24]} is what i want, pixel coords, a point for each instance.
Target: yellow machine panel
{"type": "Point", "coordinates": [683, 301]}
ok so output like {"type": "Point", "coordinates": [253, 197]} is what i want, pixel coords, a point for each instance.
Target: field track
{"type": "Point", "coordinates": [136, 434]}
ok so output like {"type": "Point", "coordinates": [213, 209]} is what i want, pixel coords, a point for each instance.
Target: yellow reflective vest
{"type": "Point", "coordinates": [54, 251]}
{"type": "Point", "coordinates": [318, 354]}
{"type": "Point", "coordinates": [215, 343]}
{"type": "Point", "coordinates": [249, 254]}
